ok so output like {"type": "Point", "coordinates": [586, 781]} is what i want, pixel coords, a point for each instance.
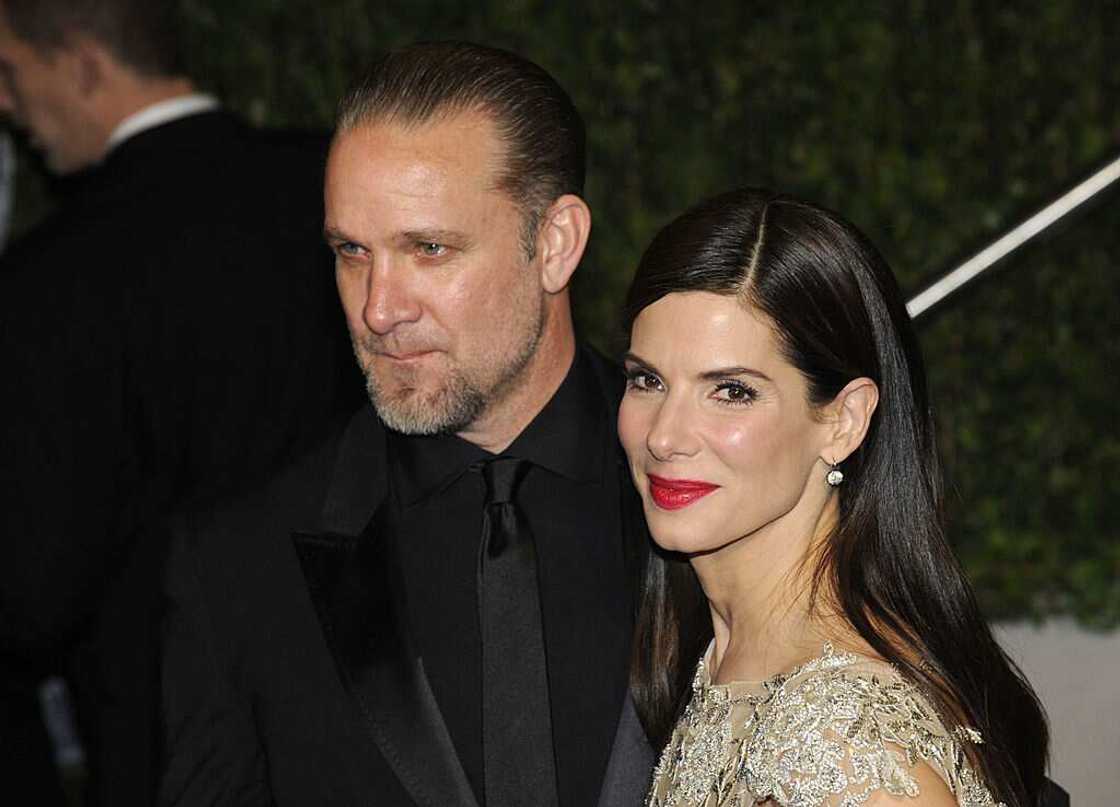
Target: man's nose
{"type": "Point", "coordinates": [390, 300]}
{"type": "Point", "coordinates": [671, 435]}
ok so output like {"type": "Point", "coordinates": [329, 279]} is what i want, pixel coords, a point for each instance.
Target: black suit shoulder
{"type": "Point", "coordinates": [173, 332]}
{"type": "Point", "coordinates": [247, 673]}
{"type": "Point", "coordinates": [233, 545]}
{"type": "Point", "coordinates": [291, 499]}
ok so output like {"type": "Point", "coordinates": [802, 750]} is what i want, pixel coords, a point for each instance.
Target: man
{"type": "Point", "coordinates": [385, 624]}
{"type": "Point", "coordinates": [169, 332]}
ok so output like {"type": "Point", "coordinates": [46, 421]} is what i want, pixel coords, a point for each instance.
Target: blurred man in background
{"type": "Point", "coordinates": [171, 330]}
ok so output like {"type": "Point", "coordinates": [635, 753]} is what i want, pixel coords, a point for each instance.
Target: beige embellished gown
{"type": "Point", "coordinates": [827, 734]}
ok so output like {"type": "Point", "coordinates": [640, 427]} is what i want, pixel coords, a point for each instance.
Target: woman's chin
{"type": "Point", "coordinates": [683, 542]}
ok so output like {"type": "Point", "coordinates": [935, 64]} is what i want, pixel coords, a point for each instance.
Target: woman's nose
{"type": "Point", "coordinates": [671, 434]}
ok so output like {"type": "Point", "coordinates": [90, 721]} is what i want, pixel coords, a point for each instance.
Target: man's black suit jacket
{"type": "Point", "coordinates": [289, 678]}
{"type": "Point", "coordinates": [172, 331]}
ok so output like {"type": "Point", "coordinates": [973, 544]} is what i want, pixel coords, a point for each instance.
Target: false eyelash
{"type": "Point", "coordinates": [750, 394]}
{"type": "Point", "coordinates": [635, 373]}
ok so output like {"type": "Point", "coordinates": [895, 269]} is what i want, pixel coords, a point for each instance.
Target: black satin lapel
{"type": "Point", "coordinates": [1054, 795]}
{"type": "Point", "coordinates": [636, 539]}
{"type": "Point", "coordinates": [635, 535]}
{"type": "Point", "coordinates": [359, 477]}
{"type": "Point", "coordinates": [353, 587]}
{"type": "Point", "coordinates": [630, 766]}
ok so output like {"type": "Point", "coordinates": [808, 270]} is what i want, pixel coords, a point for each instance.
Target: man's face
{"type": "Point", "coordinates": [38, 93]}
{"type": "Point", "coordinates": [443, 307]}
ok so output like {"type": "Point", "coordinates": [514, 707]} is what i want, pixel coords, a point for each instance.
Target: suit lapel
{"type": "Point", "coordinates": [630, 765]}
{"type": "Point", "coordinates": [352, 579]}
{"type": "Point", "coordinates": [635, 535]}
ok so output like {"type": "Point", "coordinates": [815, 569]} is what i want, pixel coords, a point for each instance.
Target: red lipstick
{"type": "Point", "coordinates": [673, 494]}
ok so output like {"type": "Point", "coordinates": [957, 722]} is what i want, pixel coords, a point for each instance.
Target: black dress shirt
{"type": "Point", "coordinates": [571, 498]}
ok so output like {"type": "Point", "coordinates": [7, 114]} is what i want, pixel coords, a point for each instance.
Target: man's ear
{"type": "Point", "coordinates": [849, 417]}
{"type": "Point", "coordinates": [561, 240]}
{"type": "Point", "coordinates": [87, 62]}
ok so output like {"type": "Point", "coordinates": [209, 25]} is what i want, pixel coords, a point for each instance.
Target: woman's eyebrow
{"type": "Point", "coordinates": [723, 372]}
{"type": "Point", "coordinates": [708, 375]}
{"type": "Point", "coordinates": [634, 358]}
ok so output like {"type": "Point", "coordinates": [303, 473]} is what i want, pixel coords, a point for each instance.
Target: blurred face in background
{"type": "Point", "coordinates": [716, 423]}
{"type": "Point", "coordinates": [40, 92]}
{"type": "Point", "coordinates": [444, 308]}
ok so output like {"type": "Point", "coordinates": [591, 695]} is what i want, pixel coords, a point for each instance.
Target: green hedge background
{"type": "Point", "coordinates": [932, 125]}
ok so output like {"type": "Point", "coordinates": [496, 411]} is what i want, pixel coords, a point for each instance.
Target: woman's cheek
{"type": "Point", "coordinates": [730, 438]}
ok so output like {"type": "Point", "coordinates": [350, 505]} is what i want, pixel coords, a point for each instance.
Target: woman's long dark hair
{"type": "Point", "coordinates": [838, 315]}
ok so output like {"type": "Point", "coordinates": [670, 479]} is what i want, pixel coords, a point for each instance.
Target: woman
{"type": "Point", "coordinates": [776, 424]}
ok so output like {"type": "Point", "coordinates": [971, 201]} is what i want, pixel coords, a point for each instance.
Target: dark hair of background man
{"type": "Point", "coordinates": [142, 34]}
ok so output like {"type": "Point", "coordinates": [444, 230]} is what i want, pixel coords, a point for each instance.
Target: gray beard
{"type": "Point", "coordinates": [449, 409]}
{"type": "Point", "coordinates": [457, 403]}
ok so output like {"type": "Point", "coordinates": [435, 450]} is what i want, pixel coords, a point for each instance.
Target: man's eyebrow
{"type": "Point", "coordinates": [333, 234]}
{"type": "Point", "coordinates": [435, 236]}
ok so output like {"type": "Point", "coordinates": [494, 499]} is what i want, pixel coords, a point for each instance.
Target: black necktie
{"type": "Point", "coordinates": [517, 752]}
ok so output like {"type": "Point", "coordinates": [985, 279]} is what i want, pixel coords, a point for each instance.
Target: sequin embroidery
{"type": "Point", "coordinates": [829, 733]}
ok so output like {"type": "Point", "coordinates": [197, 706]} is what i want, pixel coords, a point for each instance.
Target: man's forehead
{"type": "Point", "coordinates": [462, 149]}
{"type": "Point", "coordinates": [467, 141]}
{"type": "Point", "coordinates": [443, 173]}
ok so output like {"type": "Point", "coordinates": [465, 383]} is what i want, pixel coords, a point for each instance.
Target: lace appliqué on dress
{"type": "Point", "coordinates": [826, 733]}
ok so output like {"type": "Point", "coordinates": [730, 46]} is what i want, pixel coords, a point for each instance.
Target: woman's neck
{"type": "Point", "coordinates": [758, 593]}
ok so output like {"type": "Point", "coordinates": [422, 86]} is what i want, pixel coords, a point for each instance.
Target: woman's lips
{"type": "Point", "coordinates": [673, 494]}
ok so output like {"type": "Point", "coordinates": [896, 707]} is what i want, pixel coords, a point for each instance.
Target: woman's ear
{"type": "Point", "coordinates": [849, 415]}
{"type": "Point", "coordinates": [561, 240]}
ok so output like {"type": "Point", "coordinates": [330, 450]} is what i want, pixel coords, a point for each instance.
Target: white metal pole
{"type": "Point", "coordinates": [1015, 238]}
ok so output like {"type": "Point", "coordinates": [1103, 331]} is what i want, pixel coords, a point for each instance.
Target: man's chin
{"type": "Point", "coordinates": [417, 412]}
{"type": "Point", "coordinates": [59, 164]}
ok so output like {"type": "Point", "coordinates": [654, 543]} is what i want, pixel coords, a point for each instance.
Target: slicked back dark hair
{"type": "Point", "coordinates": [838, 315]}
{"type": "Point", "coordinates": [141, 34]}
{"type": "Point", "coordinates": [541, 129]}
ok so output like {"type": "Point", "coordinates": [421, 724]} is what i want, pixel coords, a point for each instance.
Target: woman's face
{"type": "Point", "coordinates": [721, 440]}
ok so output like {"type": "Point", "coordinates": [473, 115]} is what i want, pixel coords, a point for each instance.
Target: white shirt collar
{"type": "Point", "coordinates": [158, 114]}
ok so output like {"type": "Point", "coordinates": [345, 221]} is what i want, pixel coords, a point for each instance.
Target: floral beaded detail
{"type": "Point", "coordinates": [829, 733]}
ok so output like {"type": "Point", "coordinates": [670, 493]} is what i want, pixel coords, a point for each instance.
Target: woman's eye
{"type": "Point", "coordinates": [734, 392]}
{"type": "Point", "coordinates": [642, 381]}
